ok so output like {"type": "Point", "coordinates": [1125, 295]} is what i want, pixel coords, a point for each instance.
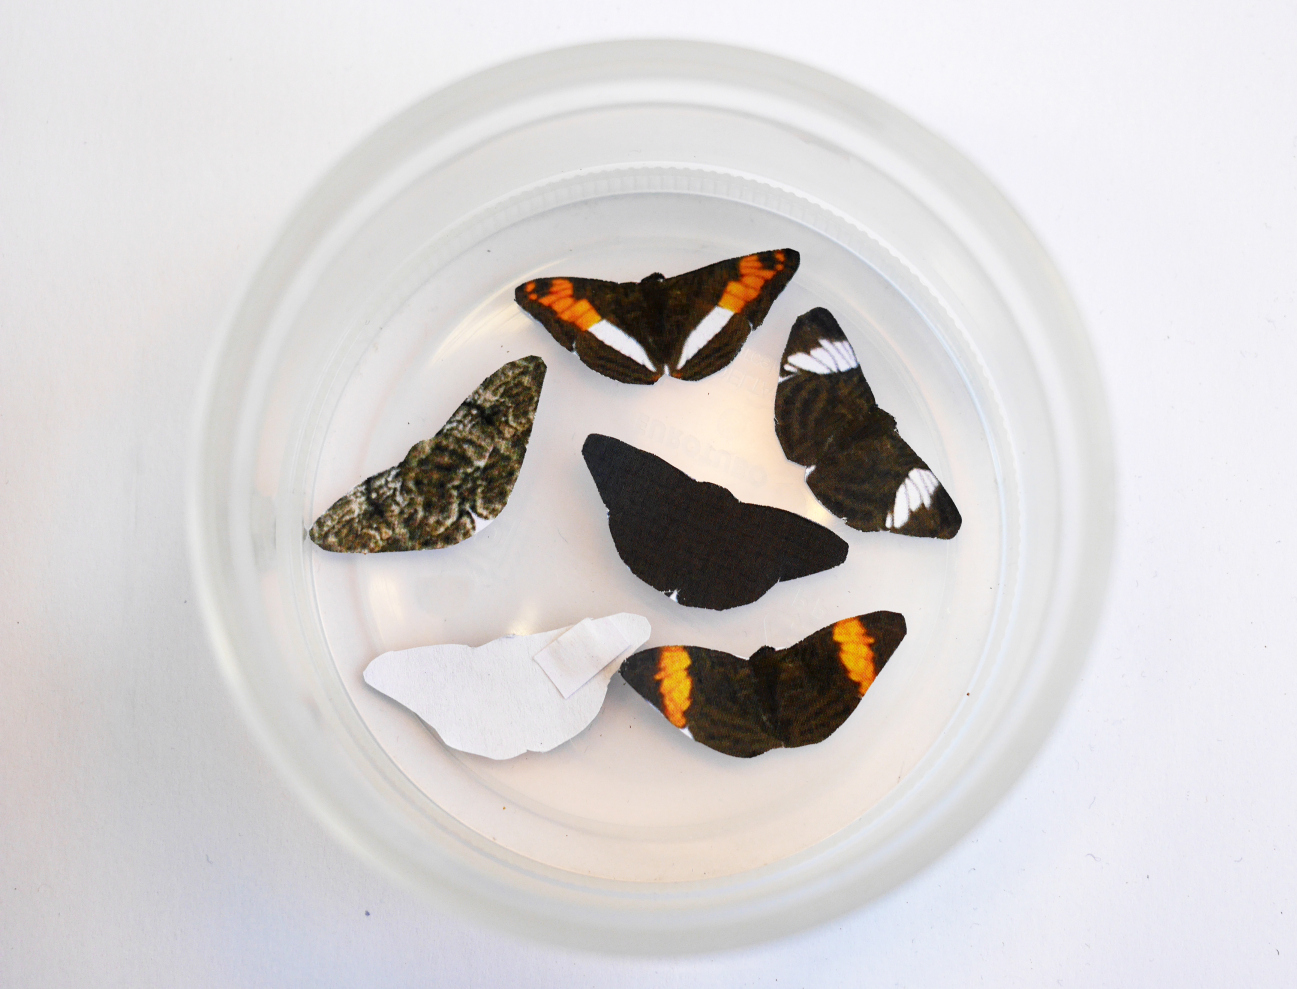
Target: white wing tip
{"type": "Point", "coordinates": [830, 357]}
{"type": "Point", "coordinates": [913, 493]}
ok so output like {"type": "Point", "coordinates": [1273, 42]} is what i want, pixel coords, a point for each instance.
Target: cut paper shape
{"type": "Point", "coordinates": [780, 698]}
{"type": "Point", "coordinates": [581, 652]}
{"type": "Point", "coordinates": [688, 326]}
{"type": "Point", "coordinates": [856, 463]}
{"type": "Point", "coordinates": [449, 487]}
{"type": "Point", "coordinates": [694, 541]}
{"type": "Point", "coordinates": [496, 700]}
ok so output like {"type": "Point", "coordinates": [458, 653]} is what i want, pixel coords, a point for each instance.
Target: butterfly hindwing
{"type": "Point", "coordinates": [449, 486]}
{"type": "Point", "coordinates": [690, 326]}
{"type": "Point", "coordinates": [712, 695]}
{"type": "Point", "coordinates": [778, 698]}
{"type": "Point", "coordinates": [695, 541]}
{"type": "Point", "coordinates": [858, 466]}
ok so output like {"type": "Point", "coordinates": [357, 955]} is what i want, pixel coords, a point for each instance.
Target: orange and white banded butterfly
{"type": "Point", "coordinates": [688, 326]}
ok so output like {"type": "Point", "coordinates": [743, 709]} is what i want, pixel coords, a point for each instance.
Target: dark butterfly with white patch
{"type": "Point", "coordinates": [780, 698]}
{"type": "Point", "coordinates": [448, 487]}
{"type": "Point", "coordinates": [696, 542]}
{"type": "Point", "coordinates": [856, 463]}
{"type": "Point", "coordinates": [688, 326]}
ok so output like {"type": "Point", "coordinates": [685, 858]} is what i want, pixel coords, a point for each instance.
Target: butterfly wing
{"type": "Point", "coordinates": [818, 682]}
{"type": "Point", "coordinates": [821, 389]}
{"type": "Point", "coordinates": [879, 483]}
{"type": "Point", "coordinates": [487, 491]}
{"type": "Point", "coordinates": [715, 697]}
{"type": "Point", "coordinates": [610, 325]}
{"type": "Point", "coordinates": [696, 542]}
{"type": "Point", "coordinates": [646, 499]}
{"type": "Point", "coordinates": [449, 486]}
{"type": "Point", "coordinates": [859, 467]}
{"type": "Point", "coordinates": [708, 313]}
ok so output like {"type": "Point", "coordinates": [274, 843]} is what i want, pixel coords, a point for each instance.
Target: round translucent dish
{"type": "Point", "coordinates": [389, 297]}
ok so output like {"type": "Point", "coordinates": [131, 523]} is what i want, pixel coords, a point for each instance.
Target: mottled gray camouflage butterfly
{"type": "Point", "coordinates": [448, 487]}
{"type": "Point", "coordinates": [693, 540]}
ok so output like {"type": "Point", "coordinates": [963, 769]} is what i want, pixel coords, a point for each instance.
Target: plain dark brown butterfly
{"type": "Point", "coordinates": [688, 326]}
{"type": "Point", "coordinates": [693, 540]}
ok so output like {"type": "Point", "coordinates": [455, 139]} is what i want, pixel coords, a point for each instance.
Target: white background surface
{"type": "Point", "coordinates": [148, 153]}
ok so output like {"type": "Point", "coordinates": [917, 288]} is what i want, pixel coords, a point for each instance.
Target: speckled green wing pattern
{"type": "Point", "coordinates": [447, 487]}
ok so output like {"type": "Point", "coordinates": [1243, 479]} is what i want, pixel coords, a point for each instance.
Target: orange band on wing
{"type": "Point", "coordinates": [855, 652]}
{"type": "Point", "coordinates": [676, 685]}
{"type": "Point", "coordinates": [753, 275]}
{"type": "Point", "coordinates": [578, 312]}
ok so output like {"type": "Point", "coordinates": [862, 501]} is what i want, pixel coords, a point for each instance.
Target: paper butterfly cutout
{"type": "Point", "coordinates": [778, 698]}
{"type": "Point", "coordinates": [448, 487]}
{"type": "Point", "coordinates": [688, 326]}
{"type": "Point", "coordinates": [506, 697]}
{"type": "Point", "coordinates": [856, 463]}
{"type": "Point", "coordinates": [696, 542]}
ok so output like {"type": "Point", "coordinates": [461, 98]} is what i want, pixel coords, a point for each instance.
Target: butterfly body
{"type": "Point", "coordinates": [779, 698]}
{"type": "Point", "coordinates": [687, 326]}
{"type": "Point", "coordinates": [693, 540]}
{"type": "Point", "coordinates": [858, 466]}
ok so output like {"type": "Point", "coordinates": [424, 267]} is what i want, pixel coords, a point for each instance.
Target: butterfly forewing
{"type": "Point", "coordinates": [709, 312]}
{"type": "Point", "coordinates": [857, 464]}
{"type": "Point", "coordinates": [811, 693]}
{"type": "Point", "coordinates": [820, 680]}
{"type": "Point", "coordinates": [609, 324]}
{"type": "Point", "coordinates": [710, 694]}
{"type": "Point", "coordinates": [817, 345]}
